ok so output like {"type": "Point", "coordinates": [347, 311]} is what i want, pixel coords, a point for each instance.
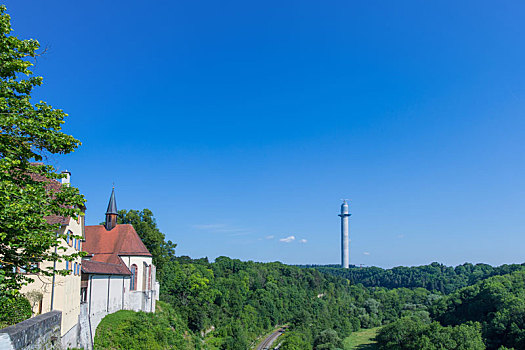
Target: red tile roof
{"type": "Point", "coordinates": [106, 247]}
{"type": "Point", "coordinates": [96, 267]}
{"type": "Point", "coordinates": [121, 240]}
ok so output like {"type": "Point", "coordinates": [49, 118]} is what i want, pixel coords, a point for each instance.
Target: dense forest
{"type": "Point", "coordinates": [434, 277]}
{"type": "Point", "coordinates": [230, 304]}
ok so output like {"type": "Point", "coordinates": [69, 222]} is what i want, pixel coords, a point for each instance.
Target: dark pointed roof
{"type": "Point", "coordinates": [112, 206]}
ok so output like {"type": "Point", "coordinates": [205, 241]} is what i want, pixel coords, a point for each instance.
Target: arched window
{"type": "Point", "coordinates": [133, 282]}
{"type": "Point", "coordinates": [144, 275]}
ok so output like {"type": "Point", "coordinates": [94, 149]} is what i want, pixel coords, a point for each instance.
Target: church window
{"type": "Point", "coordinates": [133, 282]}
{"type": "Point", "coordinates": [67, 265]}
{"type": "Point", "coordinates": [144, 275]}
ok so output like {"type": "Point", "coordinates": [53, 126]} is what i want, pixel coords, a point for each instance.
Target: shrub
{"type": "Point", "coordinates": [14, 310]}
{"type": "Point", "coordinates": [127, 329]}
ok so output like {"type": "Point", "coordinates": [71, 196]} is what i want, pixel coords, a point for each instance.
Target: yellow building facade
{"type": "Point", "coordinates": [57, 292]}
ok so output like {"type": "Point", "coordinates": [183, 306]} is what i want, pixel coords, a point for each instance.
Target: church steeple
{"type": "Point", "coordinates": [111, 213]}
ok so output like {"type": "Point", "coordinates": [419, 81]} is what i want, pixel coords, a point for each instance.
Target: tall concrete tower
{"type": "Point", "coordinates": [345, 253]}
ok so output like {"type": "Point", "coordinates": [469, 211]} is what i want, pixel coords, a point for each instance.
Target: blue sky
{"type": "Point", "coordinates": [242, 123]}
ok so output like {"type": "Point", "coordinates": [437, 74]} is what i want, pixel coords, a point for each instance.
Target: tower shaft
{"type": "Point", "coordinates": [345, 245]}
{"type": "Point", "coordinates": [345, 252]}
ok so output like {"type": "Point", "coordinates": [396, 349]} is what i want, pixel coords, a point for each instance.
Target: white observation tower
{"type": "Point", "coordinates": [345, 254]}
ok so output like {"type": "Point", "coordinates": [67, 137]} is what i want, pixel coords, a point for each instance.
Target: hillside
{"type": "Point", "coordinates": [434, 277]}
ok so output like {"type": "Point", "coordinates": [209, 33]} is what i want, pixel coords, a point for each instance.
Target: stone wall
{"type": "Point", "coordinates": [40, 332]}
{"type": "Point", "coordinates": [86, 333]}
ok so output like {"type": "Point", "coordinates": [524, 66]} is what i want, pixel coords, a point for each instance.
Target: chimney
{"type": "Point", "coordinates": [66, 180]}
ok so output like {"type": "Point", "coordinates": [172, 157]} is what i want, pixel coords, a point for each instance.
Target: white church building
{"type": "Point", "coordinates": [117, 274]}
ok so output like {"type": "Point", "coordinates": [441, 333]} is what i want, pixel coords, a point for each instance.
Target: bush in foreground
{"type": "Point", "coordinates": [140, 330]}
{"type": "Point", "coordinates": [14, 310]}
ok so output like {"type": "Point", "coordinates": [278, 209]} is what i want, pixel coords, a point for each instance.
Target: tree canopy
{"type": "Point", "coordinates": [29, 133]}
{"type": "Point", "coordinates": [144, 223]}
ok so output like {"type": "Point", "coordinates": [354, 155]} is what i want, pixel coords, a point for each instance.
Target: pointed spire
{"type": "Point", "coordinates": [111, 213]}
{"type": "Point", "coordinates": [112, 206]}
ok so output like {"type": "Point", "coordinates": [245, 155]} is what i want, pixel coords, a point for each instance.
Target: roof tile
{"type": "Point", "coordinates": [106, 247]}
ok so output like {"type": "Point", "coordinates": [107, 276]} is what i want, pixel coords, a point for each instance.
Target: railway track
{"type": "Point", "coordinates": [267, 344]}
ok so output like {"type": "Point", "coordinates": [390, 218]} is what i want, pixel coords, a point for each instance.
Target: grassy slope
{"type": "Point", "coordinates": [361, 340]}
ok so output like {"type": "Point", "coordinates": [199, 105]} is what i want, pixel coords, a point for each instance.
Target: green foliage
{"type": "Point", "coordinates": [295, 341]}
{"type": "Point", "coordinates": [138, 330]}
{"type": "Point", "coordinates": [434, 277]}
{"type": "Point", "coordinates": [498, 303]}
{"type": "Point", "coordinates": [411, 333]}
{"type": "Point", "coordinates": [14, 310]}
{"type": "Point", "coordinates": [144, 223]}
{"type": "Point", "coordinates": [328, 340]}
{"type": "Point", "coordinates": [28, 132]}
{"type": "Point", "coordinates": [242, 300]}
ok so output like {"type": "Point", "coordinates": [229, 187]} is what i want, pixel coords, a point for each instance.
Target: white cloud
{"type": "Point", "coordinates": [303, 240]}
{"type": "Point", "coordinates": [270, 237]}
{"type": "Point", "coordinates": [400, 236]}
{"type": "Point", "coordinates": [288, 239]}
{"type": "Point", "coordinates": [366, 253]}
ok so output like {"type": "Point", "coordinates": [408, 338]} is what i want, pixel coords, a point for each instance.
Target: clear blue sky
{"type": "Point", "coordinates": [240, 123]}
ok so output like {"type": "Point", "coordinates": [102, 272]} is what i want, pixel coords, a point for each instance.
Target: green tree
{"type": "Point", "coordinates": [411, 333]}
{"type": "Point", "coordinates": [295, 341]}
{"type": "Point", "coordinates": [144, 223]}
{"type": "Point", "coordinates": [29, 192]}
{"type": "Point", "coordinates": [328, 340]}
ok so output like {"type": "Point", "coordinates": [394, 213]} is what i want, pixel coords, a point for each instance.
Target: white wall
{"type": "Point", "coordinates": [139, 261]}
{"type": "Point", "coordinates": [104, 296]}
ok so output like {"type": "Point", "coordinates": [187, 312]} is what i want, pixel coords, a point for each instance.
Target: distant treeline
{"type": "Point", "coordinates": [434, 277]}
